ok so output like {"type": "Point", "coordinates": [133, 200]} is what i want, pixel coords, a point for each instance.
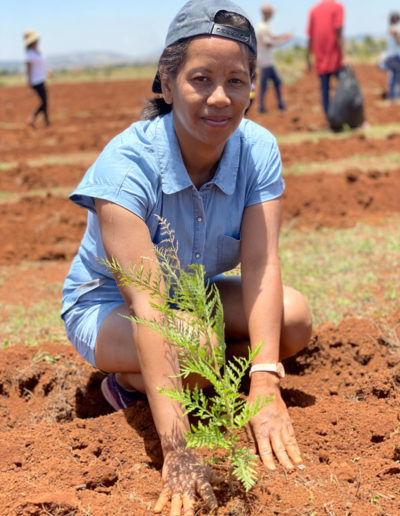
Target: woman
{"type": "Point", "coordinates": [216, 178]}
{"type": "Point", "coordinates": [36, 73]}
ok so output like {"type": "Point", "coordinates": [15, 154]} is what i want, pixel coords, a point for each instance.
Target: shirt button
{"type": "Point", "coordinates": [197, 255]}
{"type": "Point", "coordinates": [199, 219]}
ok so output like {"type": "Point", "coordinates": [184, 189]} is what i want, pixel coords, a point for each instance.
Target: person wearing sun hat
{"type": "Point", "coordinates": [216, 179]}
{"type": "Point", "coordinates": [36, 74]}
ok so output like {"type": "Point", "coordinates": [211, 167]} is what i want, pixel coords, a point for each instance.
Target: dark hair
{"type": "Point", "coordinates": [173, 57]}
{"type": "Point", "coordinates": [394, 17]}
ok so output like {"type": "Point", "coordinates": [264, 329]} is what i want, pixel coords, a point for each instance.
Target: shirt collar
{"type": "Point", "coordinates": [174, 175]}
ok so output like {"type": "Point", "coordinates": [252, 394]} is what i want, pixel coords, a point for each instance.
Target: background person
{"type": "Point", "coordinates": [392, 62]}
{"type": "Point", "coordinates": [326, 43]}
{"type": "Point", "coordinates": [191, 160]}
{"type": "Point", "coordinates": [266, 41]}
{"type": "Point", "coordinates": [36, 74]}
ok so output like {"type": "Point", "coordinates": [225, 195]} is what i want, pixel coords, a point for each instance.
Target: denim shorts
{"type": "Point", "coordinates": [84, 318]}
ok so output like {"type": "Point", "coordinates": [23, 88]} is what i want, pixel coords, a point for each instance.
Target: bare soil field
{"type": "Point", "coordinates": [62, 450]}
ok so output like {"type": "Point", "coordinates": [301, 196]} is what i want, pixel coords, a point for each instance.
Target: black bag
{"type": "Point", "coordinates": [347, 105]}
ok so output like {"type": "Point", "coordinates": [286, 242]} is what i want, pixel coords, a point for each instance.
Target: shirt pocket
{"type": "Point", "coordinates": [228, 253]}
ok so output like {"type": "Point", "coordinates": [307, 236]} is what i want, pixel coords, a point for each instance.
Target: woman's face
{"type": "Point", "coordinates": [209, 93]}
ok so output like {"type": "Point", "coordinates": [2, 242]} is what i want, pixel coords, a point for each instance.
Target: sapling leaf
{"type": "Point", "coordinates": [243, 465]}
{"type": "Point", "coordinates": [209, 435]}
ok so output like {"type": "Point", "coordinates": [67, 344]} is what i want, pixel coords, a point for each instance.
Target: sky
{"type": "Point", "coordinates": [137, 28]}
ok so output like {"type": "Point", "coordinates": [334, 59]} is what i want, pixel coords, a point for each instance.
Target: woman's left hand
{"type": "Point", "coordinates": [271, 430]}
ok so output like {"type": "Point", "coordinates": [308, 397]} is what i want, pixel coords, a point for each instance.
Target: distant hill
{"type": "Point", "coordinates": [80, 60]}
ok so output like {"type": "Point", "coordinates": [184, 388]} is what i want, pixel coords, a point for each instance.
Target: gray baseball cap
{"type": "Point", "coordinates": [196, 18]}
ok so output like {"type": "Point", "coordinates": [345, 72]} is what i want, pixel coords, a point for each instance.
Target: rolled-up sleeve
{"type": "Point", "coordinates": [265, 170]}
{"type": "Point", "coordinates": [119, 175]}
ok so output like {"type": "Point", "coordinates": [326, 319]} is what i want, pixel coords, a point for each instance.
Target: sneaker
{"type": "Point", "coordinates": [118, 397]}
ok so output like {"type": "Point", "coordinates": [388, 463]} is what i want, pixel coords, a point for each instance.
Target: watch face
{"type": "Point", "coordinates": [280, 370]}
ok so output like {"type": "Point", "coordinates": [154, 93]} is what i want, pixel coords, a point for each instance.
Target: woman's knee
{"type": "Point", "coordinates": [115, 350]}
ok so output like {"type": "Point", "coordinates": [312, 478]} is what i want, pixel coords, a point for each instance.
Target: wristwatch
{"type": "Point", "coordinates": [269, 368]}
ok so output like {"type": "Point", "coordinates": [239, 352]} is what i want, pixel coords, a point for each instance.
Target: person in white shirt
{"type": "Point", "coordinates": [36, 74]}
{"type": "Point", "coordinates": [266, 41]}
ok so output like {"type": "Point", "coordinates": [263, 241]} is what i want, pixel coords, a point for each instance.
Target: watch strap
{"type": "Point", "coordinates": [268, 368]}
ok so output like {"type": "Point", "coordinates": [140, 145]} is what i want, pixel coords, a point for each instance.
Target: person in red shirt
{"type": "Point", "coordinates": [325, 33]}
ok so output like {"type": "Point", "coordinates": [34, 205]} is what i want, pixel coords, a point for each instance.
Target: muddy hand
{"type": "Point", "coordinates": [271, 432]}
{"type": "Point", "coordinates": [183, 478]}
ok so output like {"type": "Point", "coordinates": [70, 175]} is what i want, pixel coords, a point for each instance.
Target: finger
{"type": "Point", "coordinates": [188, 504]}
{"type": "Point", "coordinates": [206, 492]}
{"type": "Point", "coordinates": [176, 505]}
{"type": "Point", "coordinates": [280, 452]}
{"type": "Point", "coordinates": [265, 452]}
{"type": "Point", "coordinates": [289, 440]}
{"type": "Point", "coordinates": [163, 499]}
{"type": "Point", "coordinates": [250, 438]}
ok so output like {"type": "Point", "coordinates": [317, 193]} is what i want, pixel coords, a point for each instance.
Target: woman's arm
{"type": "Point", "coordinates": [127, 239]}
{"type": "Point", "coordinates": [261, 277]}
{"type": "Point", "coordinates": [271, 428]}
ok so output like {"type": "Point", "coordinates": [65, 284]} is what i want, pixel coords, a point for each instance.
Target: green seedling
{"type": "Point", "coordinates": [44, 356]}
{"type": "Point", "coordinates": [200, 343]}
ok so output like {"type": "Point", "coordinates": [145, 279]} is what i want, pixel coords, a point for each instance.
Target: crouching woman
{"type": "Point", "coordinates": [216, 179]}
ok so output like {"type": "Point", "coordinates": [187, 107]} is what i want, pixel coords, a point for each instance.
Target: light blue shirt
{"type": "Point", "coordinates": [142, 170]}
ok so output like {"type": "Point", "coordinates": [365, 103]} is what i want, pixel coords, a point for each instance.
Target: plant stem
{"type": "Point", "coordinates": [230, 477]}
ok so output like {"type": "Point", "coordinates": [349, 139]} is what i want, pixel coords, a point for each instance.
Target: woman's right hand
{"type": "Point", "coordinates": [184, 477]}
{"type": "Point", "coordinates": [270, 431]}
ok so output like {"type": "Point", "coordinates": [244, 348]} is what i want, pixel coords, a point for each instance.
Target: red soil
{"type": "Point", "coordinates": [63, 452]}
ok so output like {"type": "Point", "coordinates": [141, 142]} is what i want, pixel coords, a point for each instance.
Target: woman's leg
{"type": "Point", "coordinates": [115, 350]}
{"type": "Point", "coordinates": [296, 318]}
{"type": "Point", "coordinates": [42, 108]}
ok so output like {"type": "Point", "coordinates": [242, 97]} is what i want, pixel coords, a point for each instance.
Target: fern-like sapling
{"type": "Point", "coordinates": [193, 322]}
